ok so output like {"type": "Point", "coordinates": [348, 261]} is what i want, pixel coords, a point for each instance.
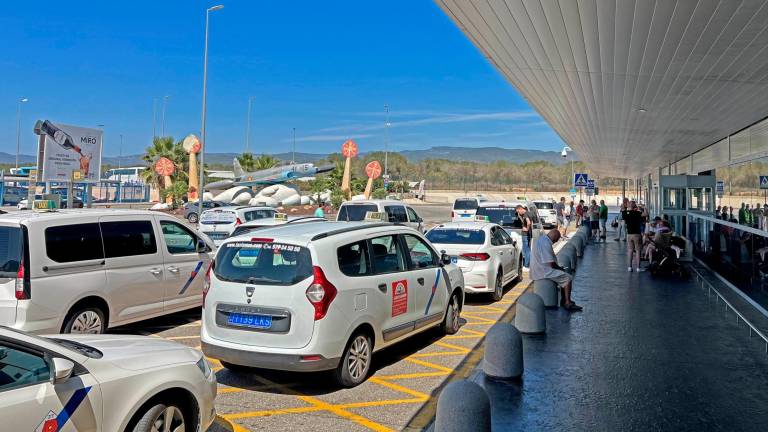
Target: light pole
{"type": "Point", "coordinates": [293, 152]}
{"type": "Point", "coordinates": [202, 127]}
{"type": "Point", "coordinates": [18, 130]}
{"type": "Point", "coordinates": [386, 142]}
{"type": "Point", "coordinates": [154, 119]}
{"type": "Point", "coordinates": [119, 174]}
{"type": "Point", "coordinates": [564, 154]}
{"type": "Point", "coordinates": [248, 126]}
{"type": "Point", "coordinates": [162, 127]}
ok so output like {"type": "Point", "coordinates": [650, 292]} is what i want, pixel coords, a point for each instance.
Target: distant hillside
{"type": "Point", "coordinates": [479, 154]}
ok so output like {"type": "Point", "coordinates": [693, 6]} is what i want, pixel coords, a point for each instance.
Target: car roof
{"type": "Point", "coordinates": [383, 202]}
{"type": "Point", "coordinates": [510, 204]}
{"type": "Point", "coordinates": [243, 207]}
{"type": "Point", "coordinates": [305, 233]}
{"type": "Point", "coordinates": [70, 214]}
{"type": "Point", "coordinates": [273, 221]}
{"type": "Point", "coordinates": [466, 225]}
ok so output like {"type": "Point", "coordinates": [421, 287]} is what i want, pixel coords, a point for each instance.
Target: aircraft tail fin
{"type": "Point", "coordinates": [238, 170]}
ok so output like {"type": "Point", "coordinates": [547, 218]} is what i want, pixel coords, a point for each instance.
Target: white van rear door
{"type": "Point", "coordinates": [11, 250]}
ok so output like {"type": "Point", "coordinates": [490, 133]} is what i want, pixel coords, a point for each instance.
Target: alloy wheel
{"type": "Point", "coordinates": [359, 357]}
{"type": "Point", "coordinates": [168, 420]}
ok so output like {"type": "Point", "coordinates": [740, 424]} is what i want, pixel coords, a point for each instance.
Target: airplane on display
{"type": "Point", "coordinates": [269, 176]}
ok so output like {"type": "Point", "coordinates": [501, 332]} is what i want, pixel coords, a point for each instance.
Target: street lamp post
{"type": "Point", "coordinates": [248, 126]}
{"type": "Point", "coordinates": [386, 142]}
{"type": "Point", "coordinates": [200, 191]}
{"type": "Point", "coordinates": [18, 130]}
{"type": "Point", "coordinates": [162, 124]}
{"type": "Point", "coordinates": [154, 119]}
{"type": "Point", "coordinates": [293, 152]}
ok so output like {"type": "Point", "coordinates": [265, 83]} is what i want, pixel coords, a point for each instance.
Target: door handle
{"type": "Point", "coordinates": [420, 281]}
{"type": "Point", "coordinates": [501, 253]}
{"type": "Point", "coordinates": [156, 271]}
{"type": "Point", "coordinates": [173, 269]}
{"type": "Point", "coordinates": [383, 288]}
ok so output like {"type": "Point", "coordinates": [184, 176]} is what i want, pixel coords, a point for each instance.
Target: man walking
{"type": "Point", "coordinates": [544, 266]}
{"type": "Point", "coordinates": [560, 214]}
{"type": "Point", "coordinates": [633, 220]}
{"type": "Point", "coordinates": [603, 220]}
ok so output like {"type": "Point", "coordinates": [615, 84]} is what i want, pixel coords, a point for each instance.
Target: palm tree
{"type": "Point", "coordinates": [247, 161]}
{"type": "Point", "coordinates": [264, 161]}
{"type": "Point", "coordinates": [167, 148]}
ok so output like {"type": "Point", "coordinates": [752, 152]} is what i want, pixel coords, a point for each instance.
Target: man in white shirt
{"type": "Point", "coordinates": [544, 266]}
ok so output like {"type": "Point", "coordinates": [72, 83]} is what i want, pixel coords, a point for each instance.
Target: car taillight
{"type": "Point", "coordinates": [475, 256]}
{"type": "Point", "coordinates": [238, 222]}
{"type": "Point", "coordinates": [207, 281]}
{"type": "Point", "coordinates": [321, 293]}
{"type": "Point", "coordinates": [22, 283]}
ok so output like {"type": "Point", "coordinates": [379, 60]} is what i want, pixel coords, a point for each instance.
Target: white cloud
{"type": "Point", "coordinates": [327, 138]}
{"type": "Point", "coordinates": [438, 118]}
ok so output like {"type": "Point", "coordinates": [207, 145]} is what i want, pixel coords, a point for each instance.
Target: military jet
{"type": "Point", "coordinates": [269, 176]}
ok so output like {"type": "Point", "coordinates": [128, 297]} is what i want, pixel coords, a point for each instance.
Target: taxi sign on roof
{"type": "Point", "coordinates": [44, 205]}
{"type": "Point", "coordinates": [481, 218]}
{"type": "Point", "coordinates": [281, 216]}
{"type": "Point", "coordinates": [375, 217]}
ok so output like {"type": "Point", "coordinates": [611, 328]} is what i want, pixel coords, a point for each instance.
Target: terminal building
{"type": "Point", "coordinates": [672, 95]}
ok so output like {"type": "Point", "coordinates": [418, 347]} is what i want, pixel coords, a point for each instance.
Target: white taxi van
{"type": "Point", "coordinates": [82, 271]}
{"type": "Point", "coordinates": [325, 296]}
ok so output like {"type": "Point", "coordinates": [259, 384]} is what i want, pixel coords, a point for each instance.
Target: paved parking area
{"type": "Point", "coordinates": [399, 395]}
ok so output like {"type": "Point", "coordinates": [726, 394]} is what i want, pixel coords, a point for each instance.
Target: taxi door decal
{"type": "Point", "coordinates": [399, 297]}
{"type": "Point", "coordinates": [55, 423]}
{"type": "Point", "coordinates": [191, 277]}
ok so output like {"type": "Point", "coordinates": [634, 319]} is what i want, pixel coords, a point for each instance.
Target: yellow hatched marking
{"type": "Point", "coordinates": [413, 375]}
{"type": "Point", "coordinates": [464, 350]}
{"type": "Point", "coordinates": [346, 414]}
{"type": "Point", "coordinates": [399, 388]}
{"type": "Point", "coordinates": [429, 365]}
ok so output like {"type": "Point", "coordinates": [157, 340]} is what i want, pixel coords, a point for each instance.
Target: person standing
{"type": "Point", "coordinates": [603, 220]}
{"type": "Point", "coordinates": [570, 215]}
{"type": "Point", "coordinates": [579, 213]}
{"type": "Point", "coordinates": [621, 229]}
{"type": "Point", "coordinates": [594, 220]}
{"type": "Point", "coordinates": [742, 217]}
{"type": "Point", "coordinates": [633, 220]}
{"type": "Point", "coordinates": [560, 214]}
{"type": "Point", "coordinates": [526, 226]}
{"type": "Point", "coordinates": [319, 212]}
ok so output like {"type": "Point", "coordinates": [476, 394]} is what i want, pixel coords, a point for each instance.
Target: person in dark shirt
{"type": "Point", "coordinates": [633, 220]}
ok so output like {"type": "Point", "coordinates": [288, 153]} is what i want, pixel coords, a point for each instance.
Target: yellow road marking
{"type": "Point", "coordinates": [436, 354]}
{"type": "Point", "coordinates": [346, 414]}
{"type": "Point", "coordinates": [228, 425]}
{"type": "Point", "coordinates": [266, 413]}
{"type": "Point", "coordinates": [429, 365]}
{"type": "Point", "coordinates": [453, 347]}
{"type": "Point", "coordinates": [399, 388]}
{"type": "Point", "coordinates": [413, 375]}
{"type": "Point", "coordinates": [491, 308]}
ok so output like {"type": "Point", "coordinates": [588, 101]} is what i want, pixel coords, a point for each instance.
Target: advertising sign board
{"type": "Point", "coordinates": [66, 149]}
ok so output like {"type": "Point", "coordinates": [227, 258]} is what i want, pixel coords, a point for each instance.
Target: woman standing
{"type": "Point", "coordinates": [594, 219]}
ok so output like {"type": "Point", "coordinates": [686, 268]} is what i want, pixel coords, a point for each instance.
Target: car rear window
{"type": "Point", "coordinates": [263, 263]}
{"type": "Point", "coordinates": [213, 217]}
{"type": "Point", "coordinates": [355, 212]}
{"type": "Point", "coordinates": [465, 204]}
{"type": "Point", "coordinates": [11, 242]}
{"type": "Point", "coordinates": [456, 236]}
{"type": "Point", "coordinates": [504, 216]}
{"type": "Point", "coordinates": [242, 229]}
{"type": "Point", "coordinates": [258, 214]}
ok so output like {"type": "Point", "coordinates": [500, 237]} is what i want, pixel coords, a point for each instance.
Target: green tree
{"type": "Point", "coordinates": [177, 191]}
{"type": "Point", "coordinates": [264, 162]}
{"type": "Point", "coordinates": [167, 148]}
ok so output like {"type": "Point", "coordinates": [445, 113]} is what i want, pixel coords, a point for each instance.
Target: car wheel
{"type": "Point", "coordinates": [498, 291]}
{"type": "Point", "coordinates": [162, 418]}
{"type": "Point", "coordinates": [89, 320]}
{"type": "Point", "coordinates": [192, 217]}
{"type": "Point", "coordinates": [452, 314]}
{"type": "Point", "coordinates": [356, 362]}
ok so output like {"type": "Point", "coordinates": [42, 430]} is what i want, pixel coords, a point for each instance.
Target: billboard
{"type": "Point", "coordinates": [66, 149]}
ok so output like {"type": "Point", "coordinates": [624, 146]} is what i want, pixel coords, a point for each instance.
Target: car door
{"type": "Point", "coordinates": [415, 220]}
{"type": "Point", "coordinates": [390, 270]}
{"type": "Point", "coordinates": [30, 401]}
{"type": "Point", "coordinates": [134, 266]}
{"type": "Point", "coordinates": [426, 279]}
{"type": "Point", "coordinates": [503, 250]}
{"type": "Point", "coordinates": [183, 283]}
{"type": "Point", "coordinates": [514, 252]}
{"type": "Point", "coordinates": [536, 221]}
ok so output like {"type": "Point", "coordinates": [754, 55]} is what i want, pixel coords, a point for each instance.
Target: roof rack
{"type": "Point", "coordinates": [304, 218]}
{"type": "Point", "coordinates": [349, 229]}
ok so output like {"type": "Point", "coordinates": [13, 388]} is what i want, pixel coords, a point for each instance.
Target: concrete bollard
{"type": "Point", "coordinates": [503, 356]}
{"type": "Point", "coordinates": [463, 406]}
{"type": "Point", "coordinates": [578, 244]}
{"type": "Point", "coordinates": [571, 253]}
{"type": "Point", "coordinates": [564, 258]}
{"type": "Point", "coordinates": [547, 290]}
{"type": "Point", "coordinates": [529, 314]}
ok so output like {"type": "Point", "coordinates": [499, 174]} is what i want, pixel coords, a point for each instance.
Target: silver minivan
{"type": "Point", "coordinates": [83, 271]}
{"type": "Point", "coordinates": [396, 211]}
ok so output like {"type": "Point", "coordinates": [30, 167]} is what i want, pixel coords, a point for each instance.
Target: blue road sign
{"type": "Point", "coordinates": [590, 187]}
{"type": "Point", "coordinates": [763, 182]}
{"type": "Point", "coordinates": [720, 187]}
{"type": "Point", "coordinates": [573, 191]}
{"type": "Point", "coordinates": [580, 180]}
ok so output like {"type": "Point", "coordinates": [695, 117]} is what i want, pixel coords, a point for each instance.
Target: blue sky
{"type": "Point", "coordinates": [325, 68]}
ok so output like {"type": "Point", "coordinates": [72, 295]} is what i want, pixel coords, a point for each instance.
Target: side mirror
{"type": "Point", "coordinates": [62, 370]}
{"type": "Point", "coordinates": [201, 247]}
{"type": "Point", "coordinates": [445, 259]}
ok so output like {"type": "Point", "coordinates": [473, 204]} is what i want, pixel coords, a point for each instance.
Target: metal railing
{"type": "Point", "coordinates": [739, 317]}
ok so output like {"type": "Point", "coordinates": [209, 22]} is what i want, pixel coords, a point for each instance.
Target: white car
{"type": "Point", "coordinates": [489, 257]}
{"type": "Point", "coordinates": [279, 219]}
{"type": "Point", "coordinates": [90, 383]}
{"type": "Point", "coordinates": [219, 223]}
{"type": "Point", "coordinates": [83, 271]}
{"type": "Point", "coordinates": [546, 212]}
{"type": "Point", "coordinates": [325, 296]}
{"type": "Point", "coordinates": [396, 211]}
{"type": "Point", "coordinates": [464, 209]}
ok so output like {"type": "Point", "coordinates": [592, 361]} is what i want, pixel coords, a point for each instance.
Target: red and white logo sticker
{"type": "Point", "coordinates": [399, 297]}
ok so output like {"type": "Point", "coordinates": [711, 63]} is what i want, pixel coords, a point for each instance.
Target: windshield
{"type": "Point", "coordinates": [465, 204]}
{"type": "Point", "coordinates": [242, 229]}
{"type": "Point", "coordinates": [504, 216]}
{"type": "Point", "coordinates": [546, 205]}
{"type": "Point", "coordinates": [456, 236]}
{"type": "Point", "coordinates": [263, 263]}
{"type": "Point", "coordinates": [11, 241]}
{"type": "Point", "coordinates": [355, 212]}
